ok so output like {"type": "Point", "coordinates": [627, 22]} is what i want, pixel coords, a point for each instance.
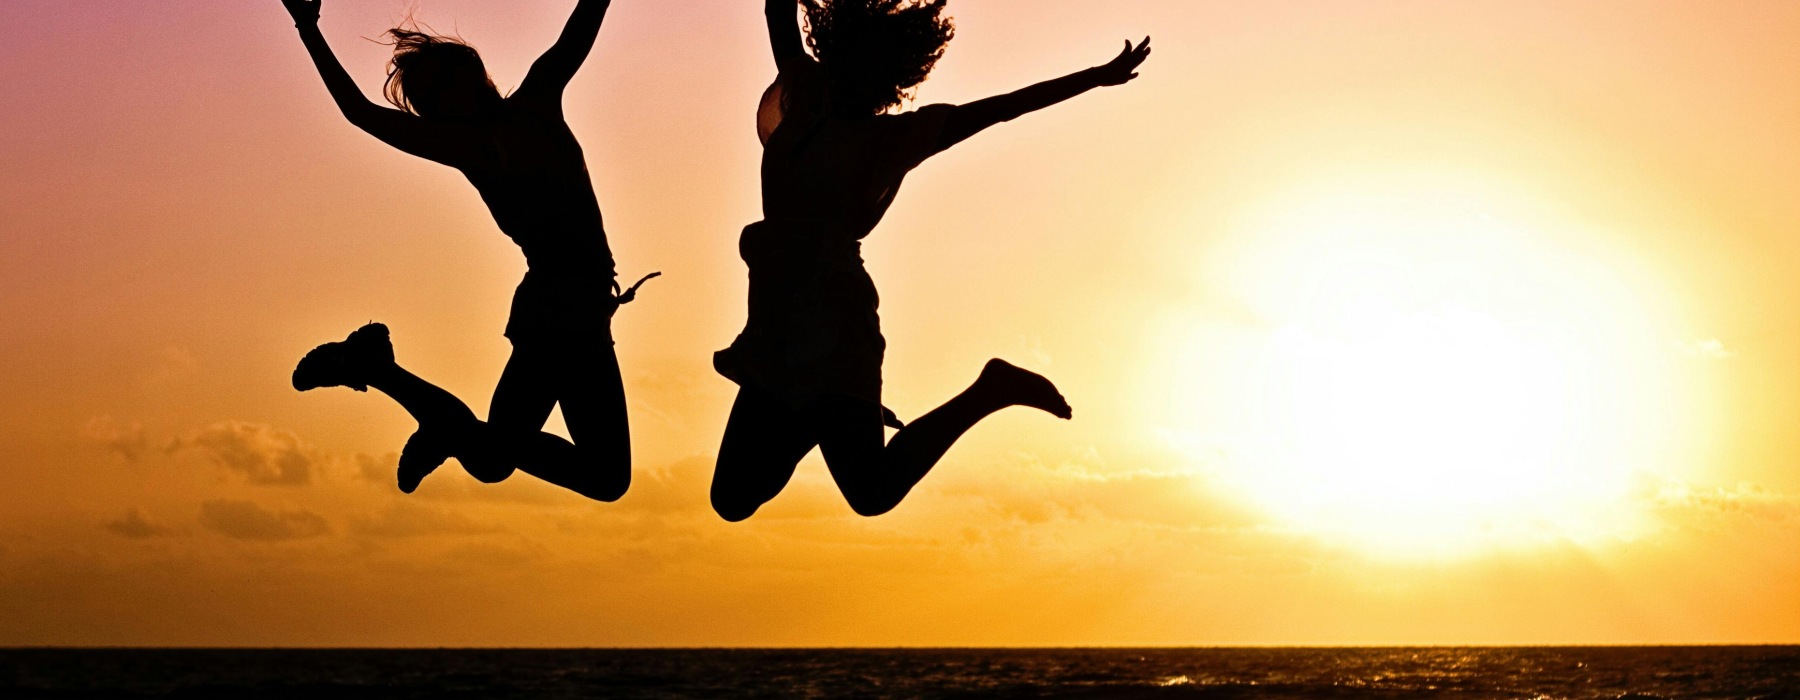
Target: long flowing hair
{"type": "Point", "coordinates": [425, 67]}
{"type": "Point", "coordinates": [875, 52]}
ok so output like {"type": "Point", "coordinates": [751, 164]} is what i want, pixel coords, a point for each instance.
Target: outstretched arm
{"type": "Point", "coordinates": [394, 127]}
{"type": "Point", "coordinates": [553, 70]}
{"type": "Point", "coordinates": [784, 31]}
{"type": "Point", "coordinates": [972, 118]}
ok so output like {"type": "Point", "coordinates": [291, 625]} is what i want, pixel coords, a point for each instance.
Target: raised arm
{"type": "Point", "coordinates": [393, 127]}
{"type": "Point", "coordinates": [784, 31]}
{"type": "Point", "coordinates": [553, 70]}
{"type": "Point", "coordinates": [972, 118]}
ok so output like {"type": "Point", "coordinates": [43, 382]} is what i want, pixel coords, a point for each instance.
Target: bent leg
{"type": "Point", "coordinates": [366, 359]}
{"type": "Point", "coordinates": [592, 394]}
{"type": "Point", "coordinates": [522, 402]}
{"type": "Point", "coordinates": [874, 478]}
{"type": "Point", "coordinates": [764, 440]}
{"type": "Point", "coordinates": [428, 403]}
{"type": "Point", "coordinates": [445, 428]}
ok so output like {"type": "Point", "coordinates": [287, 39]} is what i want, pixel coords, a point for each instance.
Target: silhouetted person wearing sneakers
{"type": "Point", "coordinates": [521, 156]}
{"type": "Point", "coordinates": [808, 362]}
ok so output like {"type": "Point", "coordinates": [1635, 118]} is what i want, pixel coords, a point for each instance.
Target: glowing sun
{"type": "Point", "coordinates": [1430, 381]}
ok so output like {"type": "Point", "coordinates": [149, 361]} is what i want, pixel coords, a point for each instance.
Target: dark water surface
{"type": "Point", "coordinates": [1439, 672]}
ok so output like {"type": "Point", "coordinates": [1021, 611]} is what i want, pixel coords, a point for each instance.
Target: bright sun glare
{"type": "Point", "coordinates": [1429, 380]}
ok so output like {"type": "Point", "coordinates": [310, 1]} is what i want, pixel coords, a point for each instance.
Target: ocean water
{"type": "Point", "coordinates": [1633, 673]}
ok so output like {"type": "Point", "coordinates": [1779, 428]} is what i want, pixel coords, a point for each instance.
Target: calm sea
{"type": "Point", "coordinates": [1439, 672]}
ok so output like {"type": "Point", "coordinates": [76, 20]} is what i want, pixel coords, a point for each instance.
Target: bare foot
{"type": "Point", "coordinates": [1019, 387]}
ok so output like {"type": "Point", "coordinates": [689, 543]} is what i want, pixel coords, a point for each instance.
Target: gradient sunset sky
{"type": "Point", "coordinates": [1384, 322]}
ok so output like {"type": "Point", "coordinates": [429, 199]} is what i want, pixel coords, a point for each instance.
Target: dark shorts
{"type": "Point", "coordinates": [562, 309]}
{"type": "Point", "coordinates": [814, 326]}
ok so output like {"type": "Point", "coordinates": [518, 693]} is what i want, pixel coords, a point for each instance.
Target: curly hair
{"type": "Point", "coordinates": [874, 52]}
{"type": "Point", "coordinates": [425, 67]}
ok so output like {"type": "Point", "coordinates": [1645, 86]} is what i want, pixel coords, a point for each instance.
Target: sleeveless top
{"type": "Point", "coordinates": [813, 325]}
{"type": "Point", "coordinates": [536, 185]}
{"type": "Point", "coordinates": [538, 189]}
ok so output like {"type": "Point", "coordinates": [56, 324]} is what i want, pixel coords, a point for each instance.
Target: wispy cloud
{"type": "Point", "coordinates": [502, 555]}
{"type": "Point", "coordinates": [376, 468]}
{"type": "Point", "coordinates": [172, 365]}
{"type": "Point", "coordinates": [122, 439]}
{"type": "Point", "coordinates": [260, 454]}
{"type": "Point", "coordinates": [244, 520]}
{"type": "Point", "coordinates": [136, 526]}
{"type": "Point", "coordinates": [1707, 349]}
{"type": "Point", "coordinates": [1744, 499]}
{"type": "Point", "coordinates": [1031, 349]}
{"type": "Point", "coordinates": [405, 519]}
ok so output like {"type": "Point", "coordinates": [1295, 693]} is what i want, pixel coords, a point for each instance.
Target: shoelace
{"type": "Point", "coordinates": [631, 294]}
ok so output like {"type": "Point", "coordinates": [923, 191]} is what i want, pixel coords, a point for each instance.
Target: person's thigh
{"type": "Point", "coordinates": [592, 395]}
{"type": "Point", "coordinates": [526, 392]}
{"type": "Point", "coordinates": [853, 439]}
{"type": "Point", "coordinates": [764, 441]}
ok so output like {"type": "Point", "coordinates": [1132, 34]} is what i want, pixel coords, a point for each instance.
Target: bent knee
{"type": "Point", "coordinates": [487, 471]}
{"type": "Point", "coordinates": [603, 475]}
{"type": "Point", "coordinates": [869, 506]}
{"type": "Point", "coordinates": [734, 514]}
{"type": "Point", "coordinates": [735, 509]}
{"type": "Point", "coordinates": [606, 489]}
{"type": "Point", "coordinates": [737, 506]}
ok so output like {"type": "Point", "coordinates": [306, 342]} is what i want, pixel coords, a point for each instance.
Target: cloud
{"type": "Point", "coordinates": [405, 519]}
{"type": "Point", "coordinates": [1035, 489]}
{"type": "Point", "coordinates": [1746, 499]}
{"type": "Point", "coordinates": [261, 454]}
{"type": "Point", "coordinates": [679, 487]}
{"type": "Point", "coordinates": [1031, 348]}
{"type": "Point", "coordinates": [450, 483]}
{"type": "Point", "coordinates": [498, 555]}
{"type": "Point", "coordinates": [126, 441]}
{"type": "Point", "coordinates": [243, 520]}
{"type": "Point", "coordinates": [135, 525]}
{"type": "Point", "coordinates": [172, 365]}
{"type": "Point", "coordinates": [377, 468]}
{"type": "Point", "coordinates": [1707, 349]}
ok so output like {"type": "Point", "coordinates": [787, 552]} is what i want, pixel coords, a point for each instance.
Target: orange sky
{"type": "Point", "coordinates": [185, 214]}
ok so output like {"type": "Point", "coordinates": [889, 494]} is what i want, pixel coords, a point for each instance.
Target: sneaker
{"type": "Point", "coordinates": [425, 451]}
{"type": "Point", "coordinates": [347, 363]}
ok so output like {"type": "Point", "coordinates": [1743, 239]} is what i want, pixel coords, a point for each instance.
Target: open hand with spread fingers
{"type": "Point", "coordinates": [1121, 70]}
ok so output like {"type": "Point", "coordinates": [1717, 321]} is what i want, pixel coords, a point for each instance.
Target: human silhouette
{"type": "Point", "coordinates": [519, 153]}
{"type": "Point", "coordinates": [808, 363]}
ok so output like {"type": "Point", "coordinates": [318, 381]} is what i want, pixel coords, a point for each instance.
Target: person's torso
{"type": "Point", "coordinates": [535, 182]}
{"type": "Point", "coordinates": [816, 166]}
{"type": "Point", "coordinates": [828, 170]}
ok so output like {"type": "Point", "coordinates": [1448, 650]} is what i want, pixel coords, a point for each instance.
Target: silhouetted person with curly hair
{"type": "Point", "coordinates": [520, 155]}
{"type": "Point", "coordinates": [808, 363]}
